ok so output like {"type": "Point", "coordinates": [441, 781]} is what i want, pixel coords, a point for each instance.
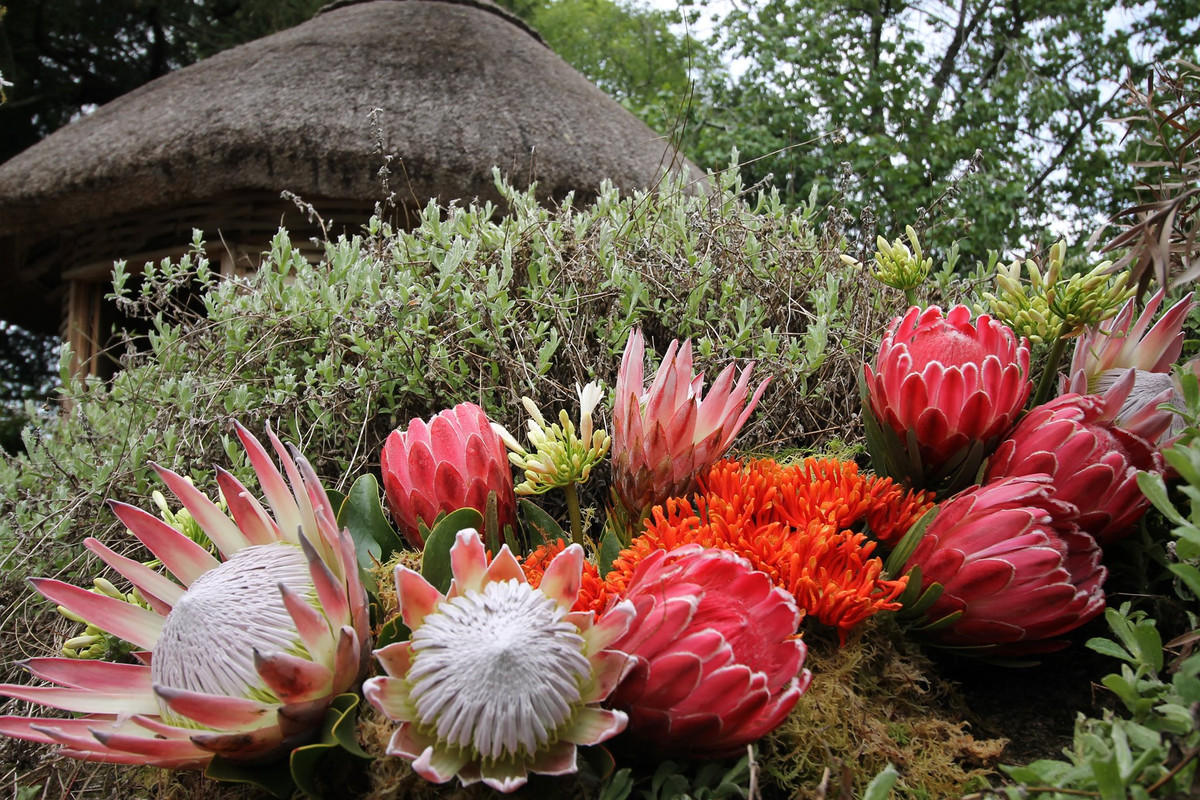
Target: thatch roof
{"type": "Point", "coordinates": [460, 84]}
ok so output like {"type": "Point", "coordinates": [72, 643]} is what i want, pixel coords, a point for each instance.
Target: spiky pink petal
{"type": "Point", "coordinates": [182, 557]}
{"type": "Point", "coordinates": [667, 434]}
{"type": "Point", "coordinates": [159, 590]}
{"type": "Point", "coordinates": [219, 528]}
{"type": "Point", "coordinates": [129, 622]}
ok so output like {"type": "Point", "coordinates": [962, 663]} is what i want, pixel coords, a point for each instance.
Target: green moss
{"type": "Point", "coordinates": [872, 703]}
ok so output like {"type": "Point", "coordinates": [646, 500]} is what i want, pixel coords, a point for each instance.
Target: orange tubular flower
{"type": "Point", "coordinates": [793, 523]}
{"type": "Point", "coordinates": [591, 591]}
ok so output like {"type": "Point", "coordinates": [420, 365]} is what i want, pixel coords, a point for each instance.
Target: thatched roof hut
{"type": "Point", "coordinates": [460, 86]}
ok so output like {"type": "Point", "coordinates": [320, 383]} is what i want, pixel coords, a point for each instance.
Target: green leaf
{"type": "Point", "coordinates": [339, 729]}
{"type": "Point", "coordinates": [394, 630]}
{"type": "Point", "coordinates": [908, 543]}
{"type": "Point", "coordinates": [1110, 648]}
{"type": "Point", "coordinates": [435, 562]}
{"type": "Point", "coordinates": [541, 523]}
{"type": "Point", "coordinates": [362, 514]}
{"type": "Point", "coordinates": [275, 777]}
{"type": "Point", "coordinates": [610, 550]}
{"type": "Point", "coordinates": [881, 785]}
{"type": "Point", "coordinates": [1189, 575]}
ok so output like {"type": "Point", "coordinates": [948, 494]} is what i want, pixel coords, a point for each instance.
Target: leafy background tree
{"type": "Point", "coordinates": [66, 56]}
{"type": "Point", "coordinates": [906, 93]}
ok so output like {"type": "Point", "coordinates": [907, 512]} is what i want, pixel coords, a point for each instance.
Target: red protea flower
{"type": "Point", "coordinates": [948, 386]}
{"type": "Point", "coordinates": [716, 662]}
{"type": "Point", "coordinates": [665, 435]}
{"type": "Point", "coordinates": [1093, 462]}
{"type": "Point", "coordinates": [453, 461]}
{"type": "Point", "coordinates": [1013, 574]}
{"type": "Point", "coordinates": [792, 523]}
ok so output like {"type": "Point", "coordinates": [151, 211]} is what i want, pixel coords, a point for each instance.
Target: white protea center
{"type": "Point", "coordinates": [499, 680]}
{"type": "Point", "coordinates": [209, 639]}
{"type": "Point", "coordinates": [498, 671]}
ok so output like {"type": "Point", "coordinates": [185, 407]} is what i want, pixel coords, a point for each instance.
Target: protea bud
{"type": "Point", "coordinates": [945, 389]}
{"type": "Point", "coordinates": [452, 461]}
{"type": "Point", "coordinates": [717, 665]}
{"type": "Point", "coordinates": [1093, 462]}
{"type": "Point", "coordinates": [1013, 574]}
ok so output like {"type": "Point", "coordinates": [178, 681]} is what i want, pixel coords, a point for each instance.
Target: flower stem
{"type": "Point", "coordinates": [573, 510]}
{"type": "Point", "coordinates": [1050, 371]}
{"type": "Point", "coordinates": [910, 296]}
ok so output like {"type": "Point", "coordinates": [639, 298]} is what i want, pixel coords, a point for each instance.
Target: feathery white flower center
{"type": "Point", "coordinates": [209, 638]}
{"type": "Point", "coordinates": [498, 671]}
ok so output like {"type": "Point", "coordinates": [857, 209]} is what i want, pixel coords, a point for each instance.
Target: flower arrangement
{"type": "Point", "coordinates": [692, 612]}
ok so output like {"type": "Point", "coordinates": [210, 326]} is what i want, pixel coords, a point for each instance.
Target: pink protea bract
{"type": "Point", "coordinates": [242, 653]}
{"type": "Point", "coordinates": [947, 385]}
{"type": "Point", "coordinates": [1108, 353]}
{"type": "Point", "coordinates": [452, 461]}
{"type": "Point", "coordinates": [499, 679]}
{"type": "Point", "coordinates": [1092, 460]}
{"type": "Point", "coordinates": [1013, 574]}
{"type": "Point", "coordinates": [717, 663]}
{"type": "Point", "coordinates": [665, 435]}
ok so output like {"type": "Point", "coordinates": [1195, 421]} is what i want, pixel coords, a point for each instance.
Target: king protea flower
{"type": "Point", "coordinates": [948, 385]}
{"type": "Point", "coordinates": [1093, 460]}
{"type": "Point", "coordinates": [499, 679]}
{"type": "Point", "coordinates": [717, 662]}
{"type": "Point", "coordinates": [1107, 352]}
{"type": "Point", "coordinates": [452, 461]}
{"type": "Point", "coordinates": [1014, 575]}
{"type": "Point", "coordinates": [243, 654]}
{"type": "Point", "coordinates": [664, 436]}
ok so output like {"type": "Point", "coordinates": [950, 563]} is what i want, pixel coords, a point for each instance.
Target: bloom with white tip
{"type": "Point", "coordinates": [499, 680]}
{"type": "Point", "coordinates": [562, 455]}
{"type": "Point", "coordinates": [241, 655]}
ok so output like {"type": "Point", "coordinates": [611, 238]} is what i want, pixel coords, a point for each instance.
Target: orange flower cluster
{"type": "Point", "coordinates": [793, 523]}
{"type": "Point", "coordinates": [592, 594]}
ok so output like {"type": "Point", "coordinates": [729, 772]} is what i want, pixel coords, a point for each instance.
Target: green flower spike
{"type": "Point", "coordinates": [561, 455]}
{"type": "Point", "coordinates": [897, 266]}
{"type": "Point", "coordinates": [1051, 309]}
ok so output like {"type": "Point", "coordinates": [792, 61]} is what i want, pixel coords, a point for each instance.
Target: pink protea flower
{"type": "Point", "coordinates": [717, 664]}
{"type": "Point", "coordinates": [947, 384]}
{"type": "Point", "coordinates": [1106, 354]}
{"type": "Point", "coordinates": [453, 461]}
{"type": "Point", "coordinates": [1013, 574]}
{"type": "Point", "coordinates": [1094, 462]}
{"type": "Point", "coordinates": [664, 436]}
{"type": "Point", "coordinates": [499, 679]}
{"type": "Point", "coordinates": [244, 653]}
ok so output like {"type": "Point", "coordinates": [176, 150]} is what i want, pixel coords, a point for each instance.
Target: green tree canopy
{"type": "Point", "coordinates": [906, 93]}
{"type": "Point", "coordinates": [64, 56]}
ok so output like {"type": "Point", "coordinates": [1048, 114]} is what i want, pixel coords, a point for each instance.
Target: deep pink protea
{"type": "Point", "coordinates": [1106, 354]}
{"type": "Point", "coordinates": [664, 436]}
{"type": "Point", "coordinates": [242, 654]}
{"type": "Point", "coordinates": [451, 462]}
{"type": "Point", "coordinates": [717, 664]}
{"type": "Point", "coordinates": [1015, 574]}
{"type": "Point", "coordinates": [1094, 463]}
{"type": "Point", "coordinates": [951, 386]}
